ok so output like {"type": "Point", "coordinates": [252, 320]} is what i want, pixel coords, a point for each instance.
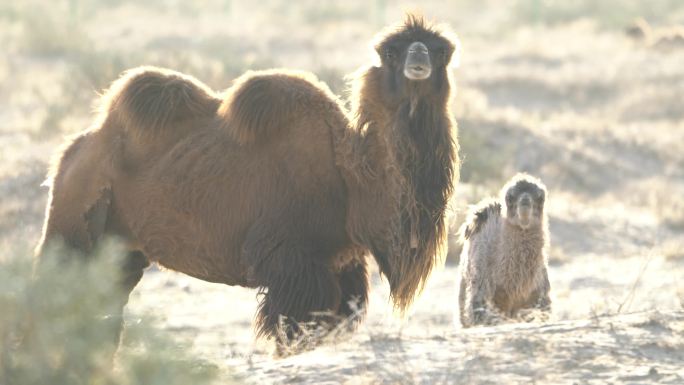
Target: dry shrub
{"type": "Point", "coordinates": [54, 329]}
{"type": "Point", "coordinates": [673, 250]}
{"type": "Point", "coordinates": [668, 207]}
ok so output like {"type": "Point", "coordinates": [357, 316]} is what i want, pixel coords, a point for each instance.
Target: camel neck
{"type": "Point", "coordinates": [399, 160]}
{"type": "Point", "coordinates": [523, 245]}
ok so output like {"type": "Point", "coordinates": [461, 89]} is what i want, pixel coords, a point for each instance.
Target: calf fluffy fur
{"type": "Point", "coordinates": [503, 262]}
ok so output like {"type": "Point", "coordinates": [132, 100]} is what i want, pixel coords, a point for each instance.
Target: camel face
{"type": "Point", "coordinates": [414, 60]}
{"type": "Point", "coordinates": [525, 203]}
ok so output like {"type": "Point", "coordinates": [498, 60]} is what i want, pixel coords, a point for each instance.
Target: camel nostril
{"type": "Point", "coordinates": [418, 49]}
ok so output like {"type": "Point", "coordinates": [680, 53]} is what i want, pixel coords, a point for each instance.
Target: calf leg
{"type": "Point", "coordinates": [479, 302]}
{"type": "Point", "coordinates": [462, 311]}
{"type": "Point", "coordinates": [538, 306]}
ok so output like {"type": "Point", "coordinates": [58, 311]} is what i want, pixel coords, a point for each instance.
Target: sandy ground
{"type": "Point", "coordinates": [597, 116]}
{"type": "Point", "coordinates": [581, 344]}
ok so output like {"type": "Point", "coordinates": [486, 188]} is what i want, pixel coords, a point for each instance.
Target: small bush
{"type": "Point", "coordinates": [55, 328]}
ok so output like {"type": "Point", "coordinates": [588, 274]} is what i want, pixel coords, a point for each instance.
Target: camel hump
{"type": "Point", "coordinates": [478, 216]}
{"type": "Point", "coordinates": [262, 104]}
{"type": "Point", "coordinates": [149, 99]}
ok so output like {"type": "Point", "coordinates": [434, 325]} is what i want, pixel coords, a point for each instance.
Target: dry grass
{"type": "Point", "coordinates": [56, 332]}
{"type": "Point", "coordinates": [673, 250]}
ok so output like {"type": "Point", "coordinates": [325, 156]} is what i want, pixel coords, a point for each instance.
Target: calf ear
{"type": "Point", "coordinates": [96, 216]}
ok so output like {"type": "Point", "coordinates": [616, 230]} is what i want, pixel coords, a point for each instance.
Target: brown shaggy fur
{"type": "Point", "coordinates": [271, 185]}
{"type": "Point", "coordinates": [503, 262]}
{"type": "Point", "coordinates": [400, 188]}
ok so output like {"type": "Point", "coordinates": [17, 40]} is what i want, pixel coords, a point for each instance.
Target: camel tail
{"type": "Point", "coordinates": [478, 216]}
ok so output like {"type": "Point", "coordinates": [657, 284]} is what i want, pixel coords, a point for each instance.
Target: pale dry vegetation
{"type": "Point", "coordinates": [55, 329]}
{"type": "Point", "coordinates": [552, 88]}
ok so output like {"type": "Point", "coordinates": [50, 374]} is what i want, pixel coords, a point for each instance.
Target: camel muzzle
{"type": "Point", "coordinates": [417, 65]}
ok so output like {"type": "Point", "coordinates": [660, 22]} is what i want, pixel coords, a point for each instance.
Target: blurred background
{"type": "Point", "coordinates": [587, 95]}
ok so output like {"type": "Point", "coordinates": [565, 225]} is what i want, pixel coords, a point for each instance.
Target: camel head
{"type": "Point", "coordinates": [524, 198]}
{"type": "Point", "coordinates": [414, 61]}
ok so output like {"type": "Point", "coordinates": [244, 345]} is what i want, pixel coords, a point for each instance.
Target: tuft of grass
{"type": "Point", "coordinates": [673, 250]}
{"type": "Point", "coordinates": [674, 219]}
{"type": "Point", "coordinates": [56, 327]}
{"type": "Point", "coordinates": [668, 206]}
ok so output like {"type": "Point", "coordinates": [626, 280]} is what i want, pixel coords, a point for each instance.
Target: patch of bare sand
{"type": "Point", "coordinates": [640, 347]}
{"type": "Point", "coordinates": [581, 343]}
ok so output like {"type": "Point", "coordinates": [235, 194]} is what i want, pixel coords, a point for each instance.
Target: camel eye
{"type": "Point", "coordinates": [390, 54]}
{"type": "Point", "coordinates": [541, 196]}
{"type": "Point", "coordinates": [442, 54]}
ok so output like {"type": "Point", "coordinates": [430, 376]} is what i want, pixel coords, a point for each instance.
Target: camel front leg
{"type": "Point", "coordinates": [300, 295]}
{"type": "Point", "coordinates": [479, 296]}
{"type": "Point", "coordinates": [538, 307]}
{"type": "Point", "coordinates": [355, 287]}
